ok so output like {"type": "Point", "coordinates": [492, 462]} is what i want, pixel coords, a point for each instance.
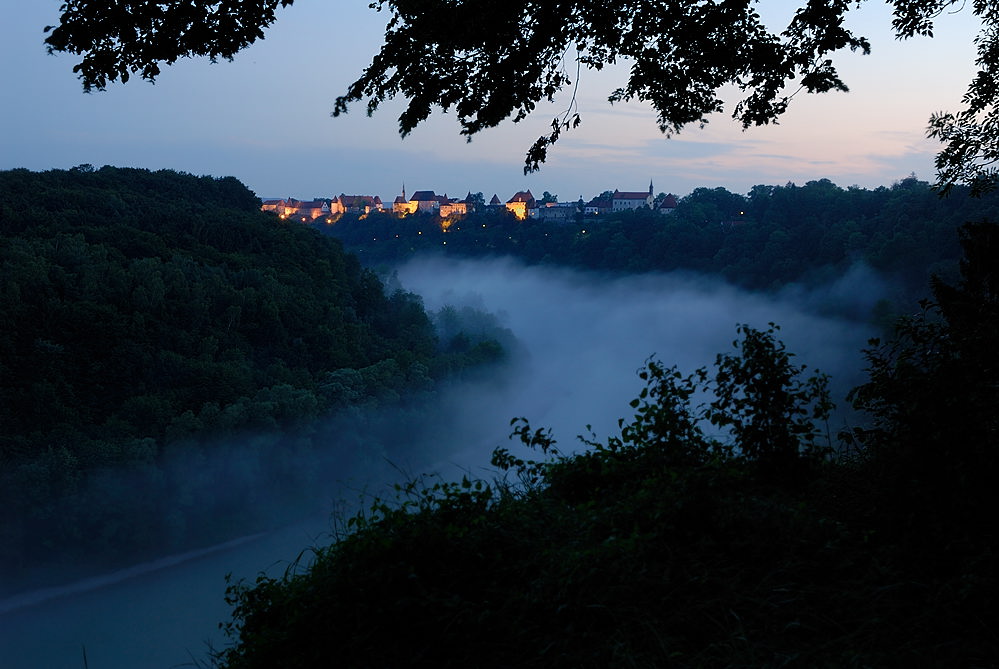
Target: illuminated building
{"type": "Point", "coordinates": [520, 203]}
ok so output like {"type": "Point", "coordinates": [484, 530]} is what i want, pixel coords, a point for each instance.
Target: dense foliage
{"type": "Point", "coordinates": [667, 546]}
{"type": "Point", "coordinates": [149, 319]}
{"type": "Point", "coordinates": [491, 62]}
{"type": "Point", "coordinates": [769, 238]}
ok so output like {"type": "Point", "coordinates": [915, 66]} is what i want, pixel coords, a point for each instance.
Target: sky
{"type": "Point", "coordinates": [264, 118]}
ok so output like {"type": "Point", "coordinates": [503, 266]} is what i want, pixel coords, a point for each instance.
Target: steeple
{"type": "Point", "coordinates": [650, 186]}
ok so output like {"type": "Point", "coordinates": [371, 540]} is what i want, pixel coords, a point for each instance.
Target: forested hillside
{"type": "Point", "coordinates": [766, 239]}
{"type": "Point", "coordinates": [151, 318]}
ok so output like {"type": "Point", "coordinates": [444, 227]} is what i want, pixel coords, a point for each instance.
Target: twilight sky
{"type": "Point", "coordinates": [264, 118]}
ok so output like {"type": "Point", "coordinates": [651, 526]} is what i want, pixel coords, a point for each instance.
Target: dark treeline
{"type": "Point", "coordinates": [671, 544]}
{"type": "Point", "coordinates": [152, 323]}
{"type": "Point", "coordinates": [771, 237]}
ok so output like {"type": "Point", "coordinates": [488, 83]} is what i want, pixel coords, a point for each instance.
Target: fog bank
{"type": "Point", "coordinates": [586, 335]}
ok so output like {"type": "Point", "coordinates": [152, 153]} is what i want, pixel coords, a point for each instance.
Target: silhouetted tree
{"type": "Point", "coordinates": [932, 398]}
{"type": "Point", "coordinates": [774, 413]}
{"type": "Point", "coordinates": [491, 62]}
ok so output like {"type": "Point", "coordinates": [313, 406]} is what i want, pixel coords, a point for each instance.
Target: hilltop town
{"type": "Point", "coordinates": [523, 205]}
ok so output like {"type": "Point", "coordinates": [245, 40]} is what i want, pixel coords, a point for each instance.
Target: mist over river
{"type": "Point", "coordinates": [582, 338]}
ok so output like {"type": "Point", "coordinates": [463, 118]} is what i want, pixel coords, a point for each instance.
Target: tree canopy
{"type": "Point", "coordinates": [492, 62]}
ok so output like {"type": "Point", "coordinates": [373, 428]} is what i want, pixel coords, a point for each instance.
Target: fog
{"type": "Point", "coordinates": [586, 335]}
{"type": "Point", "coordinates": [581, 338]}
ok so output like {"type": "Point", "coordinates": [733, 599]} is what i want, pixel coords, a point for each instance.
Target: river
{"type": "Point", "coordinates": [585, 336]}
{"type": "Point", "coordinates": [156, 615]}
